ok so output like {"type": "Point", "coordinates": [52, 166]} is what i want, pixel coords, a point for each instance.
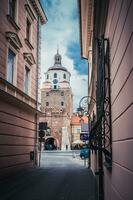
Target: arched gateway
{"type": "Point", "coordinates": [51, 143]}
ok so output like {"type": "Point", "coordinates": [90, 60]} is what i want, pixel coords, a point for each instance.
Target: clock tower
{"type": "Point", "coordinates": [56, 105]}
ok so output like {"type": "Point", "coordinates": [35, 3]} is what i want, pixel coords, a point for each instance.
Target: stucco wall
{"type": "Point", "coordinates": [119, 30]}
{"type": "Point", "coordinates": [4, 45]}
{"type": "Point", "coordinates": [17, 137]}
{"type": "Point", "coordinates": [17, 118]}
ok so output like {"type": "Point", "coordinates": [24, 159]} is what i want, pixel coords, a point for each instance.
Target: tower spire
{"type": "Point", "coordinates": [57, 58]}
{"type": "Point", "coordinates": [57, 49]}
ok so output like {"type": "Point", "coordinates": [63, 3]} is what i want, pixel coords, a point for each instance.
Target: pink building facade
{"type": "Point", "coordinates": [111, 21]}
{"type": "Point", "coordinates": [19, 70]}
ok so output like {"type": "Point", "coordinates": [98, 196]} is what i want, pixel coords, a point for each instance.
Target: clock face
{"type": "Point", "coordinates": [55, 81]}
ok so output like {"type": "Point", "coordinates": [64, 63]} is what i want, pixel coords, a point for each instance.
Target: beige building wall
{"type": "Point", "coordinates": [117, 26]}
{"type": "Point", "coordinates": [119, 30]}
{"type": "Point", "coordinates": [76, 130]}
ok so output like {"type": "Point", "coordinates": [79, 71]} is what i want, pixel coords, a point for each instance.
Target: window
{"type": "Point", "coordinates": [55, 75]}
{"type": "Point", "coordinates": [62, 93]}
{"type": "Point", "coordinates": [26, 80]}
{"type": "Point", "coordinates": [78, 130]}
{"type": "Point", "coordinates": [47, 93]}
{"type": "Point", "coordinates": [10, 65]}
{"type": "Point", "coordinates": [64, 76]}
{"type": "Point", "coordinates": [47, 76]}
{"type": "Point", "coordinates": [55, 87]}
{"type": "Point", "coordinates": [47, 103]}
{"type": "Point", "coordinates": [12, 8]}
{"type": "Point", "coordinates": [62, 103]}
{"type": "Point", "coordinates": [28, 30]}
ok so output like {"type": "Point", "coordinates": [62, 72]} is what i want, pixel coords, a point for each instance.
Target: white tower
{"type": "Point", "coordinates": [56, 100]}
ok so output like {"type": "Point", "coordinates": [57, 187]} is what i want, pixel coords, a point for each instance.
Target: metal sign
{"type": "Point", "coordinates": [84, 136]}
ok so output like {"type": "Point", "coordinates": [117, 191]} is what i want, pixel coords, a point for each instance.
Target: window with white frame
{"type": "Point", "coordinates": [55, 87]}
{"type": "Point", "coordinates": [10, 66]}
{"type": "Point", "coordinates": [26, 80]}
{"type": "Point", "coordinates": [55, 75]}
{"type": "Point", "coordinates": [47, 76]}
{"type": "Point", "coordinates": [64, 76]}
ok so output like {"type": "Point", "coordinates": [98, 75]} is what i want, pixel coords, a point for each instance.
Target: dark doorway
{"type": "Point", "coordinates": [50, 144]}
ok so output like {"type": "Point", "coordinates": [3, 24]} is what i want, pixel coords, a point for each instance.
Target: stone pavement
{"type": "Point", "coordinates": [67, 182]}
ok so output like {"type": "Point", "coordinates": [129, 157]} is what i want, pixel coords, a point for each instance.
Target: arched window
{"type": "Point", "coordinates": [64, 76]}
{"type": "Point", "coordinates": [62, 93]}
{"type": "Point", "coordinates": [55, 75]}
{"type": "Point", "coordinates": [62, 103]}
{"type": "Point", "coordinates": [47, 103]}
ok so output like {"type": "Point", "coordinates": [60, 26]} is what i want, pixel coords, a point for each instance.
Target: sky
{"type": "Point", "coordinates": [62, 31]}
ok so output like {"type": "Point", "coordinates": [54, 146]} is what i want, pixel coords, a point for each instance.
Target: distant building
{"type": "Point", "coordinates": [57, 104]}
{"type": "Point", "coordinates": [19, 71]}
{"type": "Point", "coordinates": [77, 125]}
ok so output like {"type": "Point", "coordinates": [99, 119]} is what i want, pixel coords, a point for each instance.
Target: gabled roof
{"type": "Point", "coordinates": [75, 120]}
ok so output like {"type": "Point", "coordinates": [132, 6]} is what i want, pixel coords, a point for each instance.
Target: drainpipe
{"type": "Point", "coordinates": [37, 85]}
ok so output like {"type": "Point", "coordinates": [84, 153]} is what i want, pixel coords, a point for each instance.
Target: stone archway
{"type": "Point", "coordinates": [51, 143]}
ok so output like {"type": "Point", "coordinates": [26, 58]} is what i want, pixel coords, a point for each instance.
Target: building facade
{"type": "Point", "coordinates": [19, 71]}
{"type": "Point", "coordinates": [56, 104]}
{"type": "Point", "coordinates": [76, 129]}
{"type": "Point", "coordinates": [106, 29]}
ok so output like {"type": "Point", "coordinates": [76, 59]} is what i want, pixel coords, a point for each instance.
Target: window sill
{"type": "Point", "coordinates": [11, 20]}
{"type": "Point", "coordinates": [29, 44]}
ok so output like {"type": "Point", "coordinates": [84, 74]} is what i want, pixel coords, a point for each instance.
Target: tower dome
{"type": "Point", "coordinates": [57, 76]}
{"type": "Point", "coordinates": [57, 63]}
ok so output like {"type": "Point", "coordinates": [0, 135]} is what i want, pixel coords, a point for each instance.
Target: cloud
{"type": "Point", "coordinates": [73, 52]}
{"type": "Point", "coordinates": [62, 30]}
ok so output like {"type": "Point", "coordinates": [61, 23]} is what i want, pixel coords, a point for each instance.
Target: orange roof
{"type": "Point", "coordinates": [77, 120]}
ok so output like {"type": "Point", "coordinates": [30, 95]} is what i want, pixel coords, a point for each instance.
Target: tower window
{"type": "Point", "coordinates": [47, 76]}
{"type": "Point", "coordinates": [47, 103]}
{"type": "Point", "coordinates": [55, 75]}
{"type": "Point", "coordinates": [47, 93]}
{"type": "Point", "coordinates": [62, 93]}
{"type": "Point", "coordinates": [55, 87]}
{"type": "Point", "coordinates": [62, 103]}
{"type": "Point", "coordinates": [64, 76]}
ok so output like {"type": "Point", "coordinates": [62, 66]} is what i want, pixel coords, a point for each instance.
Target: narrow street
{"type": "Point", "coordinates": [66, 78]}
{"type": "Point", "coordinates": [62, 176]}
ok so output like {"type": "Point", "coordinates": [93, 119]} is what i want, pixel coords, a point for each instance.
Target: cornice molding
{"type": "Point", "coordinates": [14, 40]}
{"type": "Point", "coordinates": [29, 58]}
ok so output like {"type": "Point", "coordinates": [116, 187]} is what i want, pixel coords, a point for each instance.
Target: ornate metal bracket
{"type": "Point", "coordinates": [101, 132]}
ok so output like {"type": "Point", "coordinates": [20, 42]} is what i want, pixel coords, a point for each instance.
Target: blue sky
{"type": "Point", "coordinates": [62, 31]}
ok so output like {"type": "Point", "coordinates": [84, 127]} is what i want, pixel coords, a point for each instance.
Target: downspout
{"type": "Point", "coordinates": [37, 97]}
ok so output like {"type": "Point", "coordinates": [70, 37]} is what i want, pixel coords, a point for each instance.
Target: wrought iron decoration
{"type": "Point", "coordinates": [101, 132]}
